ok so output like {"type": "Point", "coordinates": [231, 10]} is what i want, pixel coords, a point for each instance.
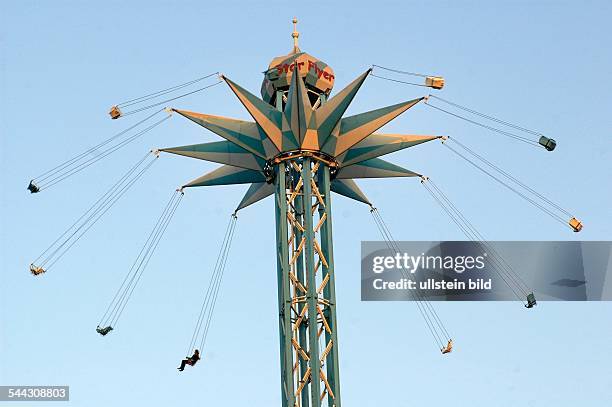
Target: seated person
{"type": "Point", "coordinates": [448, 348]}
{"type": "Point", "coordinates": [190, 360]}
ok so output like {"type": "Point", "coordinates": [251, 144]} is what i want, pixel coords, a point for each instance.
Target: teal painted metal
{"type": "Point", "coordinates": [311, 294]}
{"type": "Point", "coordinates": [349, 188]}
{"type": "Point", "coordinates": [284, 296]}
{"type": "Point", "coordinates": [302, 336]}
{"type": "Point", "coordinates": [227, 174]}
{"type": "Point", "coordinates": [329, 292]}
{"type": "Point", "coordinates": [223, 152]}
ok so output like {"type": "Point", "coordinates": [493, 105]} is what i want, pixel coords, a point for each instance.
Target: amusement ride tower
{"type": "Point", "coordinates": [299, 148]}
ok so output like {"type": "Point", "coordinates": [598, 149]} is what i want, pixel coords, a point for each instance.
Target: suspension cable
{"type": "Point", "coordinates": [132, 169]}
{"type": "Point", "coordinates": [170, 100]}
{"type": "Point", "coordinates": [496, 258]}
{"type": "Point", "coordinates": [425, 301]}
{"type": "Point", "coordinates": [113, 304]}
{"type": "Point", "coordinates": [144, 262]}
{"type": "Point", "coordinates": [122, 296]}
{"type": "Point", "coordinates": [397, 80]}
{"type": "Point", "coordinates": [163, 91]}
{"type": "Point", "coordinates": [495, 119]}
{"type": "Point", "coordinates": [203, 322]}
{"type": "Point", "coordinates": [431, 81]}
{"type": "Point", "coordinates": [424, 313]}
{"type": "Point", "coordinates": [523, 195]}
{"type": "Point", "coordinates": [84, 160]}
{"type": "Point", "coordinates": [401, 72]}
{"type": "Point", "coordinates": [216, 292]}
{"type": "Point", "coordinates": [469, 234]}
{"type": "Point", "coordinates": [509, 176]}
{"type": "Point", "coordinates": [471, 237]}
{"type": "Point", "coordinates": [514, 282]}
{"type": "Point", "coordinates": [60, 166]}
{"type": "Point", "coordinates": [491, 128]}
{"type": "Point", "coordinates": [100, 214]}
{"type": "Point", "coordinates": [91, 216]}
{"type": "Point", "coordinates": [426, 309]}
{"type": "Point", "coordinates": [212, 283]}
{"type": "Point", "coordinates": [102, 155]}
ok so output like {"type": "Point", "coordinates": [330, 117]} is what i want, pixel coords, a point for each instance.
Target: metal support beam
{"type": "Point", "coordinates": [284, 297]}
{"type": "Point", "coordinates": [329, 291]}
{"type": "Point", "coordinates": [311, 283]}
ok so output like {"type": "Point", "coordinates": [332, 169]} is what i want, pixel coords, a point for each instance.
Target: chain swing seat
{"type": "Point", "coordinates": [103, 330]}
{"type": "Point", "coordinates": [115, 112]}
{"type": "Point", "coordinates": [531, 301]}
{"type": "Point", "coordinates": [33, 188]}
{"type": "Point", "coordinates": [36, 270]}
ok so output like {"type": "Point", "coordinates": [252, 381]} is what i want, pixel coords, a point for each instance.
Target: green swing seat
{"type": "Point", "coordinates": [531, 301]}
{"type": "Point", "coordinates": [33, 188]}
{"type": "Point", "coordinates": [104, 331]}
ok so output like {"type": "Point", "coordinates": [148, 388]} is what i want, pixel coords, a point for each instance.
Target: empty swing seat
{"type": "Point", "coordinates": [32, 187]}
{"type": "Point", "coordinates": [436, 82]}
{"type": "Point", "coordinates": [547, 143]}
{"type": "Point", "coordinates": [531, 301]}
{"type": "Point", "coordinates": [115, 113]}
{"type": "Point", "coordinates": [104, 331]}
{"type": "Point", "coordinates": [575, 224]}
{"type": "Point", "coordinates": [35, 270]}
{"type": "Point", "coordinates": [448, 348]}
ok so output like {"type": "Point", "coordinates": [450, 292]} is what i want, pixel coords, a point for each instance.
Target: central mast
{"type": "Point", "coordinates": [306, 283]}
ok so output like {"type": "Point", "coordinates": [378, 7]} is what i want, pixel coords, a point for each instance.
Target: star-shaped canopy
{"type": "Point", "coordinates": [349, 142]}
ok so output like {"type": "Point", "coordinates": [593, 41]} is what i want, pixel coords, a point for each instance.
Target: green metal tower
{"type": "Point", "coordinates": [299, 148]}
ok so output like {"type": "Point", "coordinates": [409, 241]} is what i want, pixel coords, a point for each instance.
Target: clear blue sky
{"type": "Point", "coordinates": [543, 64]}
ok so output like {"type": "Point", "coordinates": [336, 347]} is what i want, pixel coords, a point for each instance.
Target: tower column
{"type": "Point", "coordinates": [309, 346]}
{"type": "Point", "coordinates": [311, 282]}
{"type": "Point", "coordinates": [329, 289]}
{"type": "Point", "coordinates": [299, 272]}
{"type": "Point", "coordinates": [284, 289]}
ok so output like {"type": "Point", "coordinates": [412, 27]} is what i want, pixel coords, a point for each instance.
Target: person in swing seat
{"type": "Point", "coordinates": [448, 348]}
{"type": "Point", "coordinates": [190, 360]}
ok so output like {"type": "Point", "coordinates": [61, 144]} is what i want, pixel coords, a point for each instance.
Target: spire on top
{"type": "Point", "coordinates": [295, 34]}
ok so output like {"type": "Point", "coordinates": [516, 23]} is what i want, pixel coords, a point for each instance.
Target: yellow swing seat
{"type": "Point", "coordinates": [115, 112]}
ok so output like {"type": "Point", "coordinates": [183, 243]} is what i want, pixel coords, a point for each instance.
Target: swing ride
{"type": "Point", "coordinates": [299, 148]}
